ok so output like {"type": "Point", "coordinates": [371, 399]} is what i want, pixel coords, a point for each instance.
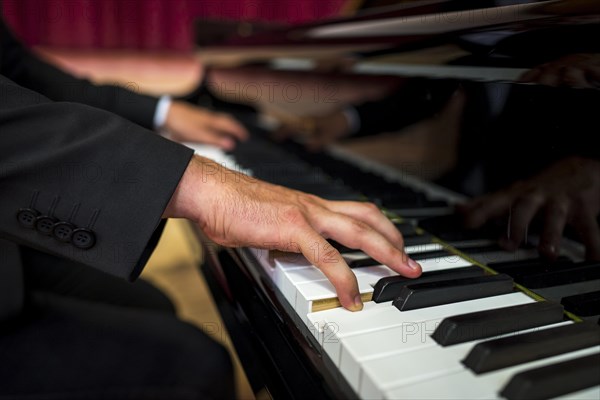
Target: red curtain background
{"type": "Point", "coordinates": [145, 24]}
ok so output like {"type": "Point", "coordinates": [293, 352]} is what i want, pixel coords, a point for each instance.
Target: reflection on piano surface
{"type": "Point", "coordinates": [482, 321]}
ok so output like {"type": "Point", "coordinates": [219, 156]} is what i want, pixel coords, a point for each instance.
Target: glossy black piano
{"type": "Point", "coordinates": [482, 321]}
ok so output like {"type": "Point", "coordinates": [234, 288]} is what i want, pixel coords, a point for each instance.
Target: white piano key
{"type": "Point", "coordinates": [357, 349]}
{"type": "Point", "coordinates": [302, 284]}
{"type": "Point", "coordinates": [433, 264]}
{"type": "Point", "coordinates": [422, 248]}
{"type": "Point", "coordinates": [356, 255]}
{"type": "Point", "coordinates": [288, 261]}
{"type": "Point", "coordinates": [416, 249]}
{"type": "Point", "coordinates": [310, 292]}
{"type": "Point", "coordinates": [375, 273]}
{"type": "Point", "coordinates": [338, 324]}
{"type": "Point", "coordinates": [592, 393]}
{"type": "Point", "coordinates": [218, 155]}
{"type": "Point", "coordinates": [440, 263]}
{"type": "Point", "coordinates": [315, 326]}
{"type": "Point", "coordinates": [262, 256]}
{"type": "Point", "coordinates": [408, 365]}
{"type": "Point", "coordinates": [288, 281]}
{"type": "Point", "coordinates": [466, 385]}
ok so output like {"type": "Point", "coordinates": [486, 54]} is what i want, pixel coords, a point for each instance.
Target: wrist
{"type": "Point", "coordinates": [352, 120]}
{"type": "Point", "coordinates": [203, 186]}
{"type": "Point", "coordinates": [183, 201]}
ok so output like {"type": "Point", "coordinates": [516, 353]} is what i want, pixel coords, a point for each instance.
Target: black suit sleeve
{"type": "Point", "coordinates": [87, 167]}
{"type": "Point", "coordinates": [26, 69]}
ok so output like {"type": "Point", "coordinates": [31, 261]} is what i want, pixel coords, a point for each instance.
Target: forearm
{"type": "Point", "coordinates": [28, 70]}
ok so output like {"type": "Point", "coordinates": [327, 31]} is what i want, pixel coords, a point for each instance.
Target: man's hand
{"type": "Point", "coordinates": [188, 123]}
{"type": "Point", "coordinates": [233, 209]}
{"type": "Point", "coordinates": [567, 193]}
{"type": "Point", "coordinates": [315, 132]}
{"type": "Point", "coordinates": [575, 70]}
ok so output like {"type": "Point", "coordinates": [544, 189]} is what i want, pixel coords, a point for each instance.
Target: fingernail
{"type": "Point", "coordinates": [413, 264]}
{"type": "Point", "coordinates": [358, 304]}
{"type": "Point", "coordinates": [549, 249]}
{"type": "Point", "coordinates": [228, 144]}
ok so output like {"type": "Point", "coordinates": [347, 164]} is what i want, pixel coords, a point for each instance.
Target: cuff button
{"type": "Point", "coordinates": [63, 231]}
{"type": "Point", "coordinates": [26, 217]}
{"type": "Point", "coordinates": [44, 224]}
{"type": "Point", "coordinates": [83, 238]}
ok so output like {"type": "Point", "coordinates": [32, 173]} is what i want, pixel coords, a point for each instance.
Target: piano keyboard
{"type": "Point", "coordinates": [444, 335]}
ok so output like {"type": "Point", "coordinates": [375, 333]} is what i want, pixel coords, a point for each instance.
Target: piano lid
{"type": "Point", "coordinates": [486, 40]}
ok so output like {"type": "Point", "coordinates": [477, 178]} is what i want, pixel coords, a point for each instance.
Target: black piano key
{"type": "Point", "coordinates": [479, 249]}
{"type": "Point", "coordinates": [583, 305]}
{"type": "Point", "coordinates": [389, 288]}
{"type": "Point", "coordinates": [430, 255]}
{"type": "Point", "coordinates": [518, 269]}
{"type": "Point", "coordinates": [362, 262]}
{"type": "Point", "coordinates": [450, 228]}
{"type": "Point", "coordinates": [419, 202]}
{"type": "Point", "coordinates": [418, 240]}
{"type": "Point", "coordinates": [406, 229]}
{"type": "Point", "coordinates": [444, 292]}
{"type": "Point", "coordinates": [341, 248]}
{"type": "Point", "coordinates": [579, 272]}
{"type": "Point", "coordinates": [519, 349]}
{"type": "Point", "coordinates": [554, 380]}
{"type": "Point", "coordinates": [484, 324]}
{"type": "Point", "coordinates": [522, 268]}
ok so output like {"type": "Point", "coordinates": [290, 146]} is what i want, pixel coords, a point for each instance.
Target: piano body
{"type": "Point", "coordinates": [481, 322]}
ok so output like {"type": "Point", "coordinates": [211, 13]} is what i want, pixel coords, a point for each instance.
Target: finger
{"type": "Point", "coordinates": [315, 143]}
{"type": "Point", "coordinates": [283, 133]}
{"type": "Point", "coordinates": [521, 214]}
{"type": "Point", "coordinates": [228, 125]}
{"type": "Point", "coordinates": [587, 228]}
{"type": "Point", "coordinates": [555, 219]}
{"type": "Point", "coordinates": [470, 205]}
{"type": "Point", "coordinates": [217, 139]}
{"type": "Point", "coordinates": [550, 76]}
{"type": "Point", "coordinates": [489, 207]}
{"type": "Point", "coordinates": [358, 235]}
{"type": "Point", "coordinates": [531, 75]}
{"type": "Point", "coordinates": [592, 76]}
{"type": "Point", "coordinates": [575, 77]}
{"type": "Point", "coordinates": [326, 139]}
{"type": "Point", "coordinates": [322, 255]}
{"type": "Point", "coordinates": [371, 215]}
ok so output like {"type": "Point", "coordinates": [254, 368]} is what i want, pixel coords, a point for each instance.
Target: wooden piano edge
{"type": "Point", "coordinates": [277, 351]}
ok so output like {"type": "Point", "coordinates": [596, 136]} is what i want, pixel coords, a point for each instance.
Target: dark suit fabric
{"type": "Point", "coordinates": [75, 349]}
{"type": "Point", "coordinates": [72, 325]}
{"type": "Point", "coordinates": [77, 281]}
